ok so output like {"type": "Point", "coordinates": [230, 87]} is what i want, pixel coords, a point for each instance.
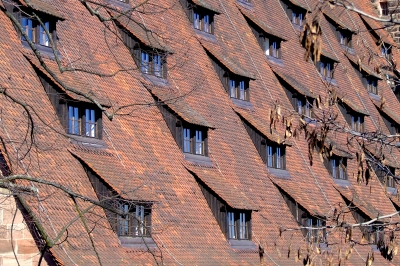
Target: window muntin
{"type": "Point", "coordinates": [35, 32]}
{"type": "Point", "coordinates": [238, 89]}
{"type": "Point", "coordinates": [152, 63]}
{"type": "Point", "coordinates": [203, 20]}
{"type": "Point", "coordinates": [275, 156]}
{"type": "Point", "coordinates": [82, 121]}
{"type": "Point", "coordinates": [384, 8]}
{"type": "Point", "coordinates": [194, 140]}
{"type": "Point", "coordinates": [135, 221]}
{"type": "Point", "coordinates": [238, 225]}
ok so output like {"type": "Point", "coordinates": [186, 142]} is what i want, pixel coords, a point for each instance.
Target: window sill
{"type": "Point", "coordinates": [44, 50]}
{"type": "Point", "coordinates": [275, 60]}
{"type": "Point", "coordinates": [205, 35]}
{"type": "Point", "coordinates": [156, 80]}
{"type": "Point", "coordinates": [280, 173]}
{"type": "Point", "coordinates": [392, 190]}
{"type": "Point", "coordinates": [244, 244]}
{"type": "Point", "coordinates": [242, 103]}
{"type": "Point", "coordinates": [119, 4]}
{"type": "Point", "coordinates": [137, 242]}
{"type": "Point", "coordinates": [87, 141]}
{"type": "Point", "coordinates": [374, 96]}
{"type": "Point", "coordinates": [246, 4]}
{"type": "Point", "coordinates": [198, 159]}
{"type": "Point", "coordinates": [342, 182]}
{"type": "Point", "coordinates": [297, 27]}
{"type": "Point", "coordinates": [348, 49]}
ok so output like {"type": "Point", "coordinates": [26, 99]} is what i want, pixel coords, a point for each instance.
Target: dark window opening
{"type": "Point", "coordinates": [372, 84]}
{"type": "Point", "coordinates": [276, 156]}
{"type": "Point", "coordinates": [374, 233]}
{"type": "Point", "coordinates": [194, 140]}
{"type": "Point", "coordinates": [384, 8]}
{"type": "Point", "coordinates": [203, 20]}
{"type": "Point", "coordinates": [272, 46]}
{"type": "Point", "coordinates": [238, 224]}
{"type": "Point", "coordinates": [326, 67]}
{"type": "Point", "coordinates": [135, 220]}
{"type": "Point", "coordinates": [385, 175]}
{"type": "Point", "coordinates": [296, 14]}
{"type": "Point", "coordinates": [345, 37]}
{"type": "Point", "coordinates": [337, 167]}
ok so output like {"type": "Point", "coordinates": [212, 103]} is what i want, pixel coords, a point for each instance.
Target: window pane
{"type": "Point", "coordinates": [27, 26]}
{"type": "Point", "coordinates": [157, 65]}
{"type": "Point", "coordinates": [299, 106]}
{"type": "Point", "coordinates": [145, 62]}
{"type": "Point", "coordinates": [90, 123]}
{"type": "Point", "coordinates": [274, 49]}
{"type": "Point", "coordinates": [206, 21]}
{"type": "Point", "coordinates": [294, 18]}
{"type": "Point", "coordinates": [270, 155]}
{"type": "Point", "coordinates": [300, 19]}
{"type": "Point", "coordinates": [199, 142]}
{"type": "Point", "coordinates": [231, 225]}
{"type": "Point", "coordinates": [241, 90]}
{"type": "Point", "coordinates": [322, 68]}
{"type": "Point", "coordinates": [328, 70]}
{"type": "Point", "coordinates": [333, 167]}
{"type": "Point", "coordinates": [232, 88]}
{"type": "Point", "coordinates": [243, 232]}
{"type": "Point", "coordinates": [278, 158]}
{"type": "Point", "coordinates": [43, 38]}
{"type": "Point", "coordinates": [186, 140]}
{"type": "Point", "coordinates": [73, 120]}
{"type": "Point", "coordinates": [196, 20]}
{"type": "Point", "coordinates": [139, 216]}
{"type": "Point", "coordinates": [266, 46]}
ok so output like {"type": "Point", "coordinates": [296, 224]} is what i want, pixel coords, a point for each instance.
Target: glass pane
{"type": "Point", "coordinates": [199, 142]}
{"type": "Point", "coordinates": [186, 140]}
{"type": "Point", "coordinates": [27, 26]}
{"type": "Point", "coordinates": [90, 123]}
{"type": "Point", "coordinates": [278, 158]}
{"type": "Point", "coordinates": [294, 17]}
{"type": "Point", "coordinates": [231, 225]}
{"type": "Point", "coordinates": [266, 46]}
{"type": "Point", "coordinates": [322, 68]}
{"type": "Point", "coordinates": [73, 120]}
{"type": "Point", "coordinates": [232, 86]}
{"type": "Point", "coordinates": [206, 21]}
{"type": "Point", "coordinates": [299, 106]}
{"type": "Point", "coordinates": [300, 19]}
{"type": "Point", "coordinates": [241, 90]}
{"type": "Point", "coordinates": [333, 167]}
{"type": "Point", "coordinates": [145, 62]}
{"type": "Point", "coordinates": [43, 38]}
{"type": "Point", "coordinates": [270, 156]}
{"type": "Point", "coordinates": [274, 49]}
{"type": "Point", "coordinates": [242, 226]}
{"type": "Point", "coordinates": [157, 65]}
{"type": "Point", "coordinates": [196, 20]}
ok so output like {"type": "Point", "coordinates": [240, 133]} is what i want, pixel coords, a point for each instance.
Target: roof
{"type": "Point", "coordinates": [179, 106]}
{"type": "Point", "coordinates": [261, 24]}
{"type": "Point", "coordinates": [295, 84]}
{"type": "Point", "coordinates": [392, 115]}
{"type": "Point", "coordinates": [206, 5]}
{"type": "Point", "coordinates": [299, 4]}
{"type": "Point", "coordinates": [337, 149]}
{"type": "Point", "coordinates": [362, 66]}
{"type": "Point", "coordinates": [353, 106]}
{"type": "Point", "coordinates": [328, 55]}
{"type": "Point", "coordinates": [330, 14]}
{"type": "Point", "coordinates": [141, 32]}
{"type": "Point", "coordinates": [226, 61]}
{"type": "Point", "coordinates": [44, 6]}
{"type": "Point", "coordinates": [106, 165]}
{"type": "Point", "coordinates": [215, 181]}
{"type": "Point", "coordinates": [262, 126]}
{"type": "Point", "coordinates": [378, 29]}
{"type": "Point", "coordinates": [352, 196]}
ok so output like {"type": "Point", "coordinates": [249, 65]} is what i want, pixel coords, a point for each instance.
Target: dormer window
{"type": "Point", "coordinates": [135, 221]}
{"type": "Point", "coordinates": [239, 88]}
{"type": "Point", "coordinates": [384, 8]}
{"type": "Point", "coordinates": [304, 107]}
{"type": "Point", "coordinates": [326, 67]}
{"type": "Point", "coordinates": [386, 51]}
{"type": "Point", "coordinates": [353, 115]}
{"type": "Point", "coordinates": [203, 20]}
{"type": "Point", "coordinates": [194, 140]}
{"type": "Point", "coordinates": [297, 17]}
{"type": "Point", "coordinates": [295, 12]}
{"type": "Point", "coordinates": [272, 46]}
{"type": "Point", "coordinates": [372, 233]}
{"type": "Point", "coordinates": [372, 84]}
{"type": "Point", "coordinates": [152, 62]}
{"type": "Point", "coordinates": [275, 155]}
{"type": "Point", "coordinates": [238, 224]}
{"type": "Point", "coordinates": [345, 37]}
{"type": "Point", "coordinates": [357, 122]}
{"type": "Point", "coordinates": [337, 166]}
{"type": "Point", "coordinates": [385, 175]}
{"type": "Point", "coordinates": [83, 121]}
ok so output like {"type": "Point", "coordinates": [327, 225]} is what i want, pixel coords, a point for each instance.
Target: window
{"type": "Point", "coordinates": [326, 67]}
{"type": "Point", "coordinates": [304, 107]}
{"type": "Point", "coordinates": [194, 140]}
{"type": "Point", "coordinates": [384, 8]}
{"type": "Point", "coordinates": [318, 234]}
{"type": "Point", "coordinates": [151, 63]}
{"type": "Point", "coordinates": [386, 51]}
{"type": "Point", "coordinates": [36, 32]}
{"type": "Point", "coordinates": [297, 18]}
{"type": "Point", "coordinates": [272, 46]}
{"type": "Point", "coordinates": [135, 221]}
{"type": "Point", "coordinates": [345, 37]}
{"type": "Point", "coordinates": [357, 122]}
{"type": "Point", "coordinates": [371, 84]}
{"type": "Point", "coordinates": [372, 233]}
{"type": "Point", "coordinates": [83, 121]}
{"type": "Point", "coordinates": [385, 175]}
{"type": "Point", "coordinates": [238, 225]}
{"type": "Point", "coordinates": [203, 20]}
{"type": "Point", "coordinates": [239, 89]}
{"type": "Point", "coordinates": [276, 156]}
{"type": "Point", "coordinates": [337, 167]}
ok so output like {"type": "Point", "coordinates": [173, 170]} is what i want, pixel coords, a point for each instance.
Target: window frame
{"type": "Point", "coordinates": [199, 23]}
{"type": "Point", "coordinates": [384, 177]}
{"type": "Point", "coordinates": [303, 105]}
{"type": "Point", "coordinates": [345, 37]}
{"type": "Point", "coordinates": [78, 118]}
{"type": "Point", "coordinates": [337, 167]}
{"type": "Point", "coordinates": [194, 139]}
{"type": "Point", "coordinates": [271, 45]}
{"type": "Point", "coordinates": [275, 155]}
{"type": "Point", "coordinates": [384, 8]}
{"type": "Point", "coordinates": [326, 67]}
{"type": "Point", "coordinates": [357, 122]}
{"type": "Point", "coordinates": [313, 235]}
{"type": "Point", "coordinates": [238, 88]}
{"type": "Point", "coordinates": [238, 224]}
{"type": "Point", "coordinates": [152, 62]}
{"type": "Point", "coordinates": [136, 220]}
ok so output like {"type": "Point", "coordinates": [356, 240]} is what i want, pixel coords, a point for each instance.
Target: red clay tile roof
{"type": "Point", "coordinates": [378, 29]}
{"type": "Point", "coordinates": [295, 84]}
{"type": "Point", "coordinates": [44, 6]}
{"type": "Point", "coordinates": [205, 4]}
{"type": "Point", "coordinates": [300, 4]}
{"type": "Point", "coordinates": [349, 103]}
{"type": "Point", "coordinates": [362, 66]}
{"type": "Point", "coordinates": [338, 20]}
{"type": "Point", "coordinates": [387, 111]}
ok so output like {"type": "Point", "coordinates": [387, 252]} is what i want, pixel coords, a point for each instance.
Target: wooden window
{"type": "Point", "coordinates": [326, 67]}
{"type": "Point", "coordinates": [83, 121]}
{"type": "Point", "coordinates": [345, 37]}
{"type": "Point", "coordinates": [203, 20]}
{"type": "Point", "coordinates": [238, 88]}
{"type": "Point", "coordinates": [386, 51]}
{"type": "Point", "coordinates": [371, 233]}
{"type": "Point", "coordinates": [35, 32]}
{"type": "Point", "coordinates": [384, 8]}
{"type": "Point", "coordinates": [357, 122]}
{"type": "Point", "coordinates": [272, 46]}
{"type": "Point", "coordinates": [152, 63]}
{"type": "Point", "coordinates": [371, 84]}
{"type": "Point", "coordinates": [276, 156]}
{"type": "Point", "coordinates": [337, 167]}
{"type": "Point", "coordinates": [295, 13]}
{"type": "Point", "coordinates": [303, 106]}
{"type": "Point", "coordinates": [135, 221]}
{"type": "Point", "coordinates": [194, 140]}
{"type": "Point", "coordinates": [297, 17]}
{"type": "Point", "coordinates": [385, 175]}
{"type": "Point", "coordinates": [238, 224]}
